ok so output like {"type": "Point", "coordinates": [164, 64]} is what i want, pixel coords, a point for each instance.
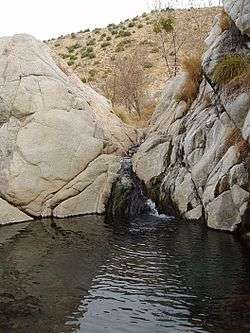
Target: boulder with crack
{"type": "Point", "coordinates": [60, 143]}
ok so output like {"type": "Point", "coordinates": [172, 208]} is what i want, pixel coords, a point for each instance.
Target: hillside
{"type": "Point", "coordinates": [91, 53]}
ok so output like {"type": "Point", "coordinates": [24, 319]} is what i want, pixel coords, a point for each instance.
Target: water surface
{"type": "Point", "coordinates": [159, 275]}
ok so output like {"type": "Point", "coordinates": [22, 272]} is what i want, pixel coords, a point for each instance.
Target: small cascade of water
{"type": "Point", "coordinates": [154, 212]}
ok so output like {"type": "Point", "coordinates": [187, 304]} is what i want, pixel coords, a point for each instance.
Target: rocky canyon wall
{"type": "Point", "coordinates": [196, 158]}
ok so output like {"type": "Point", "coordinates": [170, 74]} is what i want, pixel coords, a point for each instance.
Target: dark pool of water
{"type": "Point", "coordinates": [78, 275]}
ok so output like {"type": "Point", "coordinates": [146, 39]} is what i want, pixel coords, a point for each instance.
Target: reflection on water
{"type": "Point", "coordinates": [77, 275]}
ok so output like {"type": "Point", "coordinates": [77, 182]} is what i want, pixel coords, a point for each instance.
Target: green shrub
{"type": "Point", "coordinates": [148, 65]}
{"type": "Point", "coordinates": [119, 48]}
{"type": "Point", "coordinates": [92, 72]}
{"type": "Point", "coordinates": [124, 33]}
{"type": "Point", "coordinates": [89, 49]}
{"type": "Point", "coordinates": [105, 44]}
{"type": "Point", "coordinates": [91, 55]}
{"type": "Point", "coordinates": [73, 47]}
{"type": "Point", "coordinates": [96, 30]}
{"type": "Point", "coordinates": [64, 56]}
{"type": "Point", "coordinates": [91, 42]}
{"type": "Point", "coordinates": [154, 50]}
{"type": "Point", "coordinates": [131, 24]}
{"type": "Point", "coordinates": [70, 62]}
{"type": "Point", "coordinates": [165, 23]}
{"type": "Point", "coordinates": [83, 80]}
{"type": "Point", "coordinates": [232, 68]}
{"type": "Point", "coordinates": [73, 57]}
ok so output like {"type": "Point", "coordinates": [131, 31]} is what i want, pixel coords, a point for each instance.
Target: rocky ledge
{"type": "Point", "coordinates": [196, 156]}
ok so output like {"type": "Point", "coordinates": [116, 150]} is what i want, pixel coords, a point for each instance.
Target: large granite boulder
{"type": "Point", "coordinates": [196, 159]}
{"type": "Point", "coordinates": [60, 143]}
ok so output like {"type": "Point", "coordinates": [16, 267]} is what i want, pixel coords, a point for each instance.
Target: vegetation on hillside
{"type": "Point", "coordinates": [162, 36]}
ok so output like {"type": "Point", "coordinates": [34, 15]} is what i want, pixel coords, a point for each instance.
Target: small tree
{"type": "Point", "coordinates": [126, 84]}
{"type": "Point", "coordinates": [169, 41]}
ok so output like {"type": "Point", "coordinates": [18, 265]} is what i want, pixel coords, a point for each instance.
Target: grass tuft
{"type": "Point", "coordinates": [233, 70]}
{"type": "Point", "coordinates": [191, 65]}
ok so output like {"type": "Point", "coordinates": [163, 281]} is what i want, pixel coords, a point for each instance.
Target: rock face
{"type": "Point", "coordinates": [196, 159]}
{"type": "Point", "coordinates": [59, 140]}
{"type": "Point", "coordinates": [239, 11]}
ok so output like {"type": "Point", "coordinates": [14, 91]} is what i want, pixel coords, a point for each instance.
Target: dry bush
{"type": "Point", "coordinates": [233, 70]}
{"type": "Point", "coordinates": [235, 138]}
{"type": "Point", "coordinates": [225, 21]}
{"type": "Point", "coordinates": [127, 82]}
{"type": "Point", "coordinates": [191, 65]}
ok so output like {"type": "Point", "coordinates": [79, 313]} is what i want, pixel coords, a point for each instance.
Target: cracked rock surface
{"type": "Point", "coordinates": [60, 143]}
{"type": "Point", "coordinates": [196, 159]}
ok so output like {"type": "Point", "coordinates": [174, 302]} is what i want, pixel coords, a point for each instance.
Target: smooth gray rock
{"type": "Point", "coordinates": [55, 133]}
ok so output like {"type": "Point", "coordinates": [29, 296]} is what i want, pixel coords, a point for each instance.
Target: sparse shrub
{"type": "Point", "coordinates": [92, 72]}
{"type": "Point", "coordinates": [97, 31]}
{"type": "Point", "coordinates": [191, 65]}
{"type": "Point", "coordinates": [103, 35]}
{"type": "Point", "coordinates": [91, 55]}
{"type": "Point", "coordinates": [86, 30]}
{"type": "Point", "coordinates": [63, 55]}
{"type": "Point", "coordinates": [91, 78]}
{"type": "Point", "coordinates": [140, 26]}
{"type": "Point", "coordinates": [124, 33]}
{"type": "Point", "coordinates": [57, 44]}
{"type": "Point", "coordinates": [126, 84]}
{"type": "Point", "coordinates": [89, 49]}
{"type": "Point", "coordinates": [73, 35]}
{"type": "Point", "coordinates": [233, 70]}
{"type": "Point", "coordinates": [114, 32]}
{"type": "Point", "coordinates": [235, 138]}
{"type": "Point", "coordinates": [111, 26]}
{"type": "Point", "coordinates": [73, 57]}
{"type": "Point", "coordinates": [164, 23]}
{"type": "Point", "coordinates": [105, 44]}
{"type": "Point", "coordinates": [91, 42]}
{"type": "Point", "coordinates": [154, 50]}
{"type": "Point", "coordinates": [131, 24]}
{"type": "Point", "coordinates": [108, 38]}
{"type": "Point", "coordinates": [70, 62]}
{"type": "Point", "coordinates": [169, 40]}
{"type": "Point", "coordinates": [97, 62]}
{"type": "Point", "coordinates": [135, 19]}
{"type": "Point", "coordinates": [83, 80]}
{"type": "Point", "coordinates": [144, 15]}
{"type": "Point", "coordinates": [225, 21]}
{"type": "Point", "coordinates": [73, 47]}
{"type": "Point", "coordinates": [148, 65]}
{"type": "Point", "coordinates": [119, 48]}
